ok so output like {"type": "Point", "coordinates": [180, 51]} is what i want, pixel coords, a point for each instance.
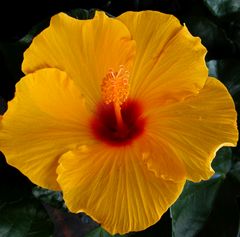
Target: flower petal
{"type": "Point", "coordinates": [46, 118]}
{"type": "Point", "coordinates": [160, 159]}
{"type": "Point", "coordinates": [115, 187]}
{"type": "Point", "coordinates": [85, 49]}
{"type": "Point", "coordinates": [169, 60]}
{"type": "Point", "coordinates": [197, 127]}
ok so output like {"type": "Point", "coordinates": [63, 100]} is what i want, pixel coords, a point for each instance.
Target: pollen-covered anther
{"type": "Point", "coordinates": [115, 86]}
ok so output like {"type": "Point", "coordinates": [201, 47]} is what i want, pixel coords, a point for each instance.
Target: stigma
{"type": "Point", "coordinates": [115, 86]}
{"type": "Point", "coordinates": [115, 90]}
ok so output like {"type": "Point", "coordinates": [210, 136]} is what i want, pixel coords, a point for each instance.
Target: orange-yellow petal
{"type": "Point", "coordinates": [169, 61]}
{"type": "Point", "coordinates": [46, 118]}
{"type": "Point", "coordinates": [85, 49]}
{"type": "Point", "coordinates": [197, 127]}
{"type": "Point", "coordinates": [115, 187]}
{"type": "Point", "coordinates": [160, 159]}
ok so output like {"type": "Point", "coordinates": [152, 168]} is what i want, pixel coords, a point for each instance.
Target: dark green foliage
{"type": "Point", "coordinates": [209, 208]}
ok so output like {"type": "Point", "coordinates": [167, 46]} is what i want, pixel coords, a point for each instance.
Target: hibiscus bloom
{"type": "Point", "coordinates": [117, 113]}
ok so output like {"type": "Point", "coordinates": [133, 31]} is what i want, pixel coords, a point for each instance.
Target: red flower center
{"type": "Point", "coordinates": [105, 127]}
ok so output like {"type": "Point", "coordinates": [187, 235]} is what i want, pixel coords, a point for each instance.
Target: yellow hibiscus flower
{"type": "Point", "coordinates": [117, 113]}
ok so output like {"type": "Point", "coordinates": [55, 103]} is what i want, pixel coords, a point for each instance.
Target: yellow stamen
{"type": "Point", "coordinates": [115, 89]}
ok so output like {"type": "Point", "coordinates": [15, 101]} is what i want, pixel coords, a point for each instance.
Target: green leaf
{"type": "Point", "coordinates": [83, 14]}
{"type": "Point", "coordinates": [235, 172]}
{"type": "Point", "coordinates": [49, 197]}
{"type": "Point", "coordinates": [210, 208]}
{"type": "Point", "coordinates": [26, 218]}
{"type": "Point", "coordinates": [100, 232]}
{"type": "Point", "coordinates": [72, 224]}
{"type": "Point", "coordinates": [228, 72]}
{"type": "Point", "coordinates": [25, 41]}
{"type": "Point", "coordinates": [213, 37]}
{"type": "Point", "coordinates": [21, 215]}
{"type": "Point", "coordinates": [223, 161]}
{"type": "Point", "coordinates": [222, 8]}
{"type": "Point", "coordinates": [190, 212]}
{"type": "Point", "coordinates": [224, 218]}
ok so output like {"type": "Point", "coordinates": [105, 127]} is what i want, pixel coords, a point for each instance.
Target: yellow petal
{"type": "Point", "coordinates": [115, 187]}
{"type": "Point", "coordinates": [46, 118]}
{"type": "Point", "coordinates": [85, 49]}
{"type": "Point", "coordinates": [197, 127]}
{"type": "Point", "coordinates": [169, 60]}
{"type": "Point", "coordinates": [160, 159]}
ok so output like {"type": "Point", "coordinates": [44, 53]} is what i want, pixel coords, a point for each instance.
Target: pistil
{"type": "Point", "coordinates": [115, 89]}
{"type": "Point", "coordinates": [118, 114]}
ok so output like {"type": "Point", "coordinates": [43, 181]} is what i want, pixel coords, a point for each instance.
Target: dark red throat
{"type": "Point", "coordinates": [104, 125]}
